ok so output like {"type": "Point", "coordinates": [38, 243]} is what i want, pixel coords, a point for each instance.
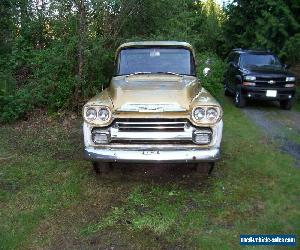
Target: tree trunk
{"type": "Point", "coordinates": [80, 49]}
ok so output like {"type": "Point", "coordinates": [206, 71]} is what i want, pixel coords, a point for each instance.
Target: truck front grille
{"type": "Point", "coordinates": [151, 126]}
{"type": "Point", "coordinates": [155, 131]}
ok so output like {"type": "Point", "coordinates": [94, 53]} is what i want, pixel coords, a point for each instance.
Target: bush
{"type": "Point", "coordinates": [214, 81]}
{"type": "Point", "coordinates": [13, 107]}
{"type": "Point", "coordinates": [290, 51]}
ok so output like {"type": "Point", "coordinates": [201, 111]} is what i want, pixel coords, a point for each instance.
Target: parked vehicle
{"type": "Point", "coordinates": [260, 75]}
{"type": "Point", "coordinates": [154, 110]}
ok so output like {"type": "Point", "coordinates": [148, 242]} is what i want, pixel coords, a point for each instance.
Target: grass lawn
{"type": "Point", "coordinates": [49, 197]}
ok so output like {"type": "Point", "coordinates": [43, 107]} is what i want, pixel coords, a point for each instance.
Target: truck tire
{"type": "Point", "coordinates": [205, 167]}
{"type": "Point", "coordinates": [226, 90]}
{"type": "Point", "coordinates": [101, 167]}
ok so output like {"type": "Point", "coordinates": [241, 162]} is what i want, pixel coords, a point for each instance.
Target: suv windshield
{"type": "Point", "coordinates": [259, 60]}
{"type": "Point", "coordinates": [155, 60]}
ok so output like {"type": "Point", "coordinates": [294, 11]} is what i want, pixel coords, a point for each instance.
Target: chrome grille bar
{"type": "Point", "coordinates": [151, 126]}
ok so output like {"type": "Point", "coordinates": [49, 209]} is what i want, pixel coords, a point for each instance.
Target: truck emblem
{"type": "Point", "coordinates": [271, 82]}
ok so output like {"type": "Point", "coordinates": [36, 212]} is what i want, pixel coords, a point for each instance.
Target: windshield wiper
{"type": "Point", "coordinates": [167, 73]}
{"type": "Point", "coordinates": [139, 73]}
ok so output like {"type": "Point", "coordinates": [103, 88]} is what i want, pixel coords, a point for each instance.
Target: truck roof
{"type": "Point", "coordinates": [156, 43]}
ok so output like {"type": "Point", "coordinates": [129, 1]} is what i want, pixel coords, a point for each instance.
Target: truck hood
{"type": "Point", "coordinates": [153, 92]}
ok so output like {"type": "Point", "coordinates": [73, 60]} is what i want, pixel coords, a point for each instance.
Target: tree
{"type": "Point", "coordinates": [266, 24]}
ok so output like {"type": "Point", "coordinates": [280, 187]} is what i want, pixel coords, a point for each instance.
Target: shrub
{"type": "Point", "coordinates": [214, 81]}
{"type": "Point", "coordinates": [290, 51]}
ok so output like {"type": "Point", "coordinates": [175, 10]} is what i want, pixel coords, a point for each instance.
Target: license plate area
{"type": "Point", "coordinates": [150, 152]}
{"type": "Point", "coordinates": [271, 93]}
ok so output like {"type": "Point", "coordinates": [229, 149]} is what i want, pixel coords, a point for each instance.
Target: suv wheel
{"type": "Point", "coordinates": [101, 167]}
{"type": "Point", "coordinates": [239, 100]}
{"type": "Point", "coordinates": [226, 90]}
{"type": "Point", "coordinates": [286, 104]}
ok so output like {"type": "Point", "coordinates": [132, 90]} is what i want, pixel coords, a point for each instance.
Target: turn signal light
{"type": "Point", "coordinates": [249, 84]}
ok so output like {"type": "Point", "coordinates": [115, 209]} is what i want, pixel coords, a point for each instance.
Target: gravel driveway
{"type": "Point", "coordinates": [280, 126]}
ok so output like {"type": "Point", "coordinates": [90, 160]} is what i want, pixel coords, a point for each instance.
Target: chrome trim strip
{"type": "Point", "coordinates": [147, 107]}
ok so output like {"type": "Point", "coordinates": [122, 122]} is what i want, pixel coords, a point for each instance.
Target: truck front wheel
{"type": "Point", "coordinates": [101, 167]}
{"type": "Point", "coordinates": [205, 167]}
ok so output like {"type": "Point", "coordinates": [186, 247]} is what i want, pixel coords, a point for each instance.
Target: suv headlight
{"type": "Point", "coordinates": [290, 79]}
{"type": "Point", "coordinates": [102, 114]}
{"type": "Point", "coordinates": [206, 114]}
{"type": "Point", "coordinates": [250, 78]}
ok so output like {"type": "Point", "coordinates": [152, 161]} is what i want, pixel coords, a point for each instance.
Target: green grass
{"type": "Point", "coordinates": [51, 198]}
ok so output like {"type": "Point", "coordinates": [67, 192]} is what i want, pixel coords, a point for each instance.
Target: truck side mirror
{"type": "Point", "coordinates": [206, 71]}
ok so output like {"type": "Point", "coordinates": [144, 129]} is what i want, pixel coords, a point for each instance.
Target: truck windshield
{"type": "Point", "coordinates": [155, 60]}
{"type": "Point", "coordinates": [259, 60]}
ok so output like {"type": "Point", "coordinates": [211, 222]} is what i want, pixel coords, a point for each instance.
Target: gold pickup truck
{"type": "Point", "coordinates": [154, 110]}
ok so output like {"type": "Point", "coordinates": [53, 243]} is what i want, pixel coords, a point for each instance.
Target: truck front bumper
{"type": "Point", "coordinates": [259, 93]}
{"type": "Point", "coordinates": [168, 155]}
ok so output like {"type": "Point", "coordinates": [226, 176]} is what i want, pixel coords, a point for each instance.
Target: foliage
{"type": "Point", "coordinates": [61, 52]}
{"type": "Point", "coordinates": [214, 81]}
{"type": "Point", "coordinates": [265, 24]}
{"type": "Point", "coordinates": [290, 52]}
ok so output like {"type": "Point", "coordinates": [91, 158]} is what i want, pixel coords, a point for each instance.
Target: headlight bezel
{"type": "Point", "coordinates": [98, 121]}
{"type": "Point", "coordinates": [205, 120]}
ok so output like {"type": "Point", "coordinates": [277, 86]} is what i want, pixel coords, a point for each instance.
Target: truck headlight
{"type": "Point", "coordinates": [198, 114]}
{"type": "Point", "coordinates": [104, 114]}
{"type": "Point", "coordinates": [212, 114]}
{"type": "Point", "coordinates": [290, 79]}
{"type": "Point", "coordinates": [97, 114]}
{"type": "Point", "coordinates": [91, 114]}
{"type": "Point", "coordinates": [206, 114]}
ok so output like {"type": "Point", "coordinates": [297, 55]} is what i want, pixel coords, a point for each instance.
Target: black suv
{"type": "Point", "coordinates": [260, 75]}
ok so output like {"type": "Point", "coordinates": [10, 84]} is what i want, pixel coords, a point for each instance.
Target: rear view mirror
{"type": "Point", "coordinates": [232, 64]}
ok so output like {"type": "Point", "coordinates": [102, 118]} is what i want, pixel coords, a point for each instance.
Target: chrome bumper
{"type": "Point", "coordinates": [175, 155]}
